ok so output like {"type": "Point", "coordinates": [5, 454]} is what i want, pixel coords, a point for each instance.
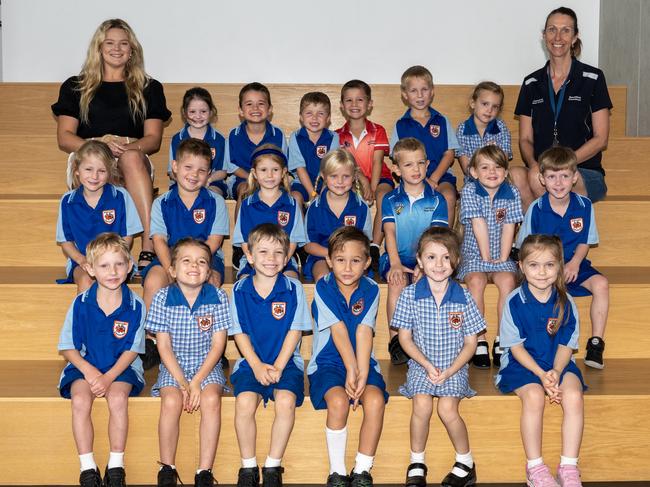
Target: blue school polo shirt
{"type": "Point", "coordinates": [577, 226]}
{"type": "Point", "coordinates": [320, 220]}
{"type": "Point", "coordinates": [412, 219]}
{"type": "Point", "coordinates": [283, 212]}
{"type": "Point", "coordinates": [79, 223]}
{"type": "Point", "coordinates": [101, 339]}
{"type": "Point", "coordinates": [470, 140]}
{"type": "Point", "coordinates": [437, 136]}
{"type": "Point", "coordinates": [330, 307]}
{"type": "Point", "coordinates": [172, 219]}
{"type": "Point", "coordinates": [267, 321]}
{"type": "Point", "coordinates": [239, 147]}
{"type": "Point", "coordinates": [304, 153]}
{"type": "Point", "coordinates": [212, 137]}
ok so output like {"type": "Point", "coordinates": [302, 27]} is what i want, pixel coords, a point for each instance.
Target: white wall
{"type": "Point", "coordinates": [291, 41]}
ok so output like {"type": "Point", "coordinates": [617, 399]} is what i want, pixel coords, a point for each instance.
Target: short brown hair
{"type": "Point", "coordinates": [416, 71]}
{"type": "Point", "coordinates": [315, 98]}
{"type": "Point", "coordinates": [491, 152]}
{"type": "Point", "coordinates": [407, 144]}
{"type": "Point", "coordinates": [189, 242]}
{"type": "Point", "coordinates": [557, 159]}
{"type": "Point", "coordinates": [255, 86]}
{"type": "Point", "coordinates": [356, 84]}
{"type": "Point", "coordinates": [444, 236]}
{"type": "Point", "coordinates": [343, 235]}
{"type": "Point", "coordinates": [194, 147]}
{"type": "Point", "coordinates": [270, 231]}
{"type": "Point", "coordinates": [105, 242]}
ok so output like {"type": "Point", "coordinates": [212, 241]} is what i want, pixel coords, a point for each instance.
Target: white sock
{"type": "Point", "coordinates": [363, 463]}
{"type": "Point", "coordinates": [198, 471]}
{"type": "Point", "coordinates": [173, 467]}
{"type": "Point", "coordinates": [272, 462]}
{"type": "Point", "coordinates": [375, 245]}
{"type": "Point", "coordinates": [534, 462]}
{"type": "Point", "coordinates": [115, 459]}
{"type": "Point", "coordinates": [87, 461]}
{"type": "Point", "coordinates": [249, 462]}
{"type": "Point", "coordinates": [482, 348]}
{"type": "Point", "coordinates": [336, 443]}
{"type": "Point", "coordinates": [465, 459]}
{"type": "Point", "coordinates": [416, 458]}
{"type": "Point", "coordinates": [568, 461]}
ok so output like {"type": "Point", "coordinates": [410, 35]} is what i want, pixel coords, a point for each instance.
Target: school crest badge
{"type": "Point", "coordinates": [350, 220]}
{"type": "Point", "coordinates": [199, 215]}
{"type": "Point", "coordinates": [434, 130]}
{"type": "Point", "coordinates": [213, 151]}
{"type": "Point", "coordinates": [278, 309]}
{"type": "Point", "coordinates": [455, 319]}
{"type": "Point", "coordinates": [577, 225]}
{"type": "Point", "coordinates": [399, 208]}
{"type": "Point", "coordinates": [357, 308]}
{"type": "Point", "coordinates": [500, 215]}
{"type": "Point", "coordinates": [205, 322]}
{"type": "Point", "coordinates": [283, 218]}
{"type": "Point", "coordinates": [108, 216]}
{"type": "Point", "coordinates": [551, 326]}
{"type": "Point", "coordinates": [120, 328]}
{"type": "Point", "coordinates": [321, 150]}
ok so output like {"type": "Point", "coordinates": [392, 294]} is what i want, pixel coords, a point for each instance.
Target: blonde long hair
{"type": "Point", "coordinates": [135, 77]}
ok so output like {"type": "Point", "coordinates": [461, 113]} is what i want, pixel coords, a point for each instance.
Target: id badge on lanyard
{"type": "Point", "coordinates": [556, 108]}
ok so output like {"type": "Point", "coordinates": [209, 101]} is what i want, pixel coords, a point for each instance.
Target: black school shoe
{"type": "Point", "coordinates": [90, 478]}
{"type": "Point", "coordinates": [416, 480]}
{"type": "Point", "coordinates": [150, 358]}
{"type": "Point", "coordinates": [453, 480]}
{"type": "Point", "coordinates": [272, 476]}
{"type": "Point", "coordinates": [237, 254]}
{"type": "Point", "coordinates": [374, 256]}
{"type": "Point", "coordinates": [337, 480]}
{"type": "Point", "coordinates": [397, 354]}
{"type": "Point", "coordinates": [497, 351]}
{"type": "Point", "coordinates": [168, 476]}
{"type": "Point", "coordinates": [363, 479]}
{"type": "Point", "coordinates": [115, 477]}
{"type": "Point", "coordinates": [204, 479]}
{"type": "Point", "coordinates": [595, 349]}
{"type": "Point", "coordinates": [482, 361]}
{"type": "Point", "coordinates": [248, 477]}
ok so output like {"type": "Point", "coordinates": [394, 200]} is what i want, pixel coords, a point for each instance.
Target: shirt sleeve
{"type": "Point", "coordinates": [524, 106]}
{"type": "Point", "coordinates": [462, 150]}
{"type": "Point", "coordinates": [474, 322]}
{"type": "Point", "coordinates": [296, 159]}
{"type": "Point", "coordinates": [235, 329]}
{"type": "Point", "coordinates": [298, 235]}
{"type": "Point", "coordinates": [387, 213]}
{"type": "Point", "coordinates": [439, 217]}
{"type": "Point", "coordinates": [133, 223]}
{"type": "Point", "coordinates": [600, 97]}
{"type": "Point", "coordinates": [381, 140]}
{"type": "Point", "coordinates": [336, 143]}
{"type": "Point", "coordinates": [221, 223]}
{"type": "Point", "coordinates": [310, 226]}
{"type": "Point", "coordinates": [237, 237]}
{"type": "Point", "coordinates": [221, 313]}
{"type": "Point", "coordinates": [66, 341]}
{"type": "Point", "coordinates": [68, 102]}
{"type": "Point", "coordinates": [515, 213]}
{"type": "Point", "coordinates": [138, 341]}
{"type": "Point", "coordinates": [62, 228]}
{"type": "Point", "coordinates": [326, 315]}
{"type": "Point", "coordinates": [592, 237]}
{"type": "Point", "coordinates": [394, 138]}
{"type": "Point", "coordinates": [526, 227]}
{"type": "Point", "coordinates": [370, 318]}
{"type": "Point", "coordinates": [158, 226]}
{"type": "Point", "coordinates": [470, 205]}
{"type": "Point", "coordinates": [570, 329]}
{"type": "Point", "coordinates": [156, 103]}
{"type": "Point", "coordinates": [404, 315]}
{"type": "Point", "coordinates": [452, 141]}
{"type": "Point", "coordinates": [157, 317]}
{"type": "Point", "coordinates": [367, 224]}
{"type": "Point", "coordinates": [509, 332]}
{"type": "Point", "coordinates": [505, 139]}
{"type": "Point", "coordinates": [227, 164]}
{"type": "Point", "coordinates": [172, 155]}
{"type": "Point", "coordinates": [302, 317]}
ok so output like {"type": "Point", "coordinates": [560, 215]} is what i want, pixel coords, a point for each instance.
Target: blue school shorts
{"type": "Point", "coordinates": [292, 380]}
{"type": "Point", "coordinates": [71, 374]}
{"type": "Point", "coordinates": [327, 377]}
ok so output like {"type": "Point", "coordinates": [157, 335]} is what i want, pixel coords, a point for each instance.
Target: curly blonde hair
{"type": "Point", "coordinates": [135, 77]}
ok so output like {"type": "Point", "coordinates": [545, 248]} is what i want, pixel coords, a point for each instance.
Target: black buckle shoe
{"type": "Point", "coordinates": [337, 480]}
{"type": "Point", "coordinates": [168, 476]}
{"type": "Point", "coordinates": [497, 351]}
{"type": "Point", "coordinates": [115, 477]}
{"type": "Point", "coordinates": [363, 479]}
{"type": "Point", "coordinates": [237, 254]}
{"type": "Point", "coordinates": [272, 476]}
{"type": "Point", "coordinates": [595, 349]}
{"type": "Point", "coordinates": [150, 357]}
{"type": "Point", "coordinates": [248, 477]}
{"type": "Point", "coordinates": [416, 480]}
{"type": "Point", "coordinates": [453, 480]}
{"type": "Point", "coordinates": [482, 361]}
{"type": "Point", "coordinates": [90, 478]}
{"type": "Point", "coordinates": [374, 256]}
{"type": "Point", "coordinates": [397, 354]}
{"type": "Point", "coordinates": [204, 479]}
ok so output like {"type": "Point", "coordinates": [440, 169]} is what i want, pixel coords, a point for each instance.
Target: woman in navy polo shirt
{"type": "Point", "coordinates": [564, 103]}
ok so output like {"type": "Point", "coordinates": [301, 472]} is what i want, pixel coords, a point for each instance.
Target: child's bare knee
{"type": "Point", "coordinates": [285, 403]}
{"type": "Point", "coordinates": [422, 406]}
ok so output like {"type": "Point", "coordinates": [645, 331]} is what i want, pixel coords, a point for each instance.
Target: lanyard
{"type": "Point", "coordinates": [556, 109]}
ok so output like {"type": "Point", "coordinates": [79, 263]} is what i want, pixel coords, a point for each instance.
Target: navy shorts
{"type": "Point", "coordinates": [595, 184]}
{"type": "Point", "coordinates": [387, 181]}
{"type": "Point", "coordinates": [447, 178]}
{"type": "Point", "coordinates": [509, 382]}
{"type": "Point", "coordinates": [221, 186]}
{"type": "Point", "coordinates": [292, 380]}
{"type": "Point", "coordinates": [585, 271]}
{"type": "Point", "coordinates": [327, 377]}
{"type": "Point", "coordinates": [384, 266]}
{"type": "Point", "coordinates": [308, 267]}
{"type": "Point", "coordinates": [217, 265]}
{"type": "Point", "coordinates": [71, 374]}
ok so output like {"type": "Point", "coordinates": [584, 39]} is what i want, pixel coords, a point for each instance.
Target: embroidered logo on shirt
{"type": "Point", "coordinates": [357, 308]}
{"type": "Point", "coordinates": [283, 218]}
{"type": "Point", "coordinates": [321, 150]}
{"type": "Point", "coordinates": [350, 220]}
{"type": "Point", "coordinates": [455, 319]}
{"type": "Point", "coordinates": [500, 214]}
{"type": "Point", "coordinates": [213, 151]}
{"type": "Point", "coordinates": [398, 208]}
{"type": "Point", "coordinates": [278, 309]}
{"type": "Point", "coordinates": [576, 225]}
{"type": "Point", "coordinates": [551, 326]}
{"type": "Point", "coordinates": [434, 130]}
{"type": "Point", "coordinates": [120, 328]}
{"type": "Point", "coordinates": [199, 215]}
{"type": "Point", "coordinates": [205, 322]}
{"type": "Point", "coordinates": [108, 216]}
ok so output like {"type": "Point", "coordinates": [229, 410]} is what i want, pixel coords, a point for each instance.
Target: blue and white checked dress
{"type": "Point", "coordinates": [439, 332]}
{"type": "Point", "coordinates": [191, 330]}
{"type": "Point", "coordinates": [503, 209]}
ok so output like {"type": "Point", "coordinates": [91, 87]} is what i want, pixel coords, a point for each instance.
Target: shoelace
{"type": "Point", "coordinates": [116, 476]}
{"type": "Point", "coordinates": [247, 479]}
{"type": "Point", "coordinates": [89, 478]}
{"type": "Point", "coordinates": [541, 477]}
{"type": "Point", "coordinates": [170, 472]}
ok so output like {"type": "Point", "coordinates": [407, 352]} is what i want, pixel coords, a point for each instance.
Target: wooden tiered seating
{"type": "Point", "coordinates": [32, 307]}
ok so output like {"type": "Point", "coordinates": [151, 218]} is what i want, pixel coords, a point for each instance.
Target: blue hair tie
{"type": "Point", "coordinates": [270, 150]}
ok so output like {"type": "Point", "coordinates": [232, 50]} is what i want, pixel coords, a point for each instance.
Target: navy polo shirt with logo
{"type": "Point", "coordinates": [304, 153]}
{"type": "Point", "coordinates": [239, 148]}
{"type": "Point", "coordinates": [212, 137]}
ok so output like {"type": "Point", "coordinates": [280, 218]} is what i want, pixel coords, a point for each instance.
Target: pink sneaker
{"type": "Point", "coordinates": [568, 476]}
{"type": "Point", "coordinates": [540, 476]}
